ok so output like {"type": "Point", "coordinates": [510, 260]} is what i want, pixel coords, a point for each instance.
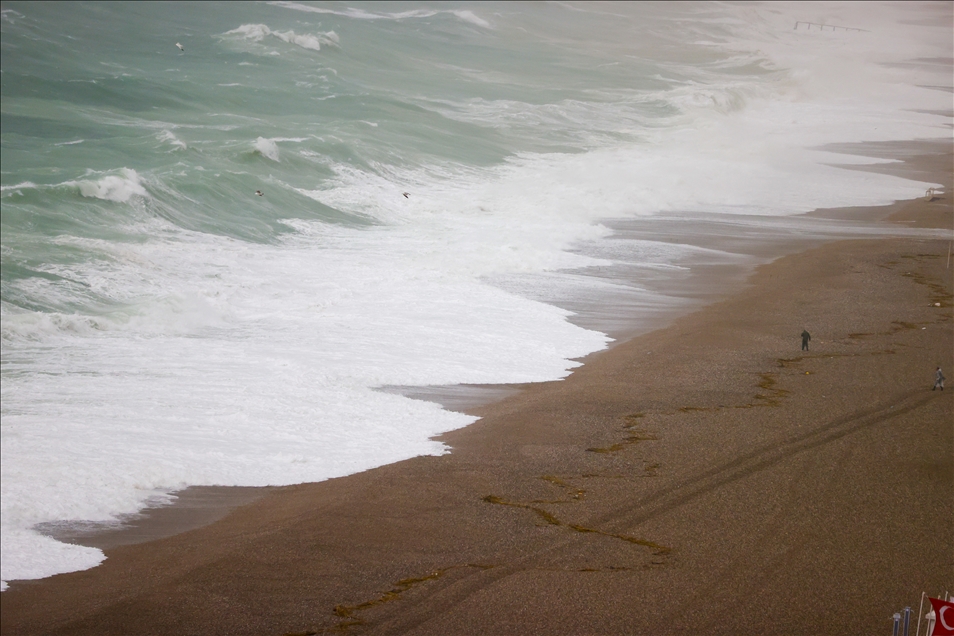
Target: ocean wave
{"type": "Point", "coordinates": [267, 148]}
{"type": "Point", "coordinates": [166, 135]}
{"type": "Point", "coordinates": [109, 118]}
{"type": "Point", "coordinates": [34, 326]}
{"type": "Point", "coordinates": [359, 14]}
{"type": "Point", "coordinates": [120, 188]}
{"type": "Point", "coordinates": [7, 15]}
{"type": "Point", "coordinates": [313, 42]}
{"type": "Point", "coordinates": [581, 122]}
{"type": "Point", "coordinates": [15, 189]}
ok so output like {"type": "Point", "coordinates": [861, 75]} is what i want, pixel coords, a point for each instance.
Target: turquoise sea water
{"type": "Point", "coordinates": [425, 169]}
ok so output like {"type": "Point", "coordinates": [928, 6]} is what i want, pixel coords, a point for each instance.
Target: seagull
{"type": "Point", "coordinates": [406, 194]}
{"type": "Point", "coordinates": [181, 48]}
{"type": "Point", "coordinates": [260, 193]}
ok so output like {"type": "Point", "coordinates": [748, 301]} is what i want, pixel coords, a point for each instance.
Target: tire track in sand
{"type": "Point", "coordinates": [414, 613]}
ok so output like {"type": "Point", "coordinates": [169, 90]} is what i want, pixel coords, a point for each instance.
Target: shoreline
{"type": "Point", "coordinates": [198, 506]}
{"type": "Point", "coordinates": [382, 544]}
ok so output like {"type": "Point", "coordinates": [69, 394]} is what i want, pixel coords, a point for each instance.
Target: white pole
{"type": "Point", "coordinates": [920, 607]}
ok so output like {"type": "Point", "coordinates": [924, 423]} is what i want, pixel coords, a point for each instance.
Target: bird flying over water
{"type": "Point", "coordinates": [181, 48]}
{"type": "Point", "coordinates": [260, 193]}
{"type": "Point", "coordinates": [406, 194]}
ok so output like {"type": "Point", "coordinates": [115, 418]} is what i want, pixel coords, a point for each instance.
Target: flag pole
{"type": "Point", "coordinates": [920, 607]}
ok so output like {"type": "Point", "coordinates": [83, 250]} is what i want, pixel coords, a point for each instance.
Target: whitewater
{"type": "Point", "coordinates": [432, 177]}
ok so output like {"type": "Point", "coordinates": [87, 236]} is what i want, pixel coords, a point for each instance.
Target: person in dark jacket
{"type": "Point", "coordinates": [805, 338]}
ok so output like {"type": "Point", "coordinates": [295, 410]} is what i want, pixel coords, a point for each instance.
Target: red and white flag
{"type": "Point", "coordinates": [944, 617]}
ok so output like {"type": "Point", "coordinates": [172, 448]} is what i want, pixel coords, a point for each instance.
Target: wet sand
{"type": "Point", "coordinates": [704, 478]}
{"type": "Point", "coordinates": [193, 507]}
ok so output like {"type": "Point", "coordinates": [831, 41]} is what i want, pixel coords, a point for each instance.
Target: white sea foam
{"type": "Point", "coordinates": [114, 187]}
{"type": "Point", "coordinates": [267, 148]}
{"type": "Point", "coordinates": [9, 15]}
{"type": "Point", "coordinates": [168, 136]}
{"type": "Point", "coordinates": [108, 118]}
{"type": "Point", "coordinates": [175, 357]}
{"type": "Point", "coordinates": [300, 331]}
{"type": "Point", "coordinates": [52, 557]}
{"type": "Point", "coordinates": [360, 14]}
{"type": "Point", "coordinates": [470, 16]}
{"type": "Point", "coordinates": [25, 185]}
{"type": "Point", "coordinates": [258, 32]}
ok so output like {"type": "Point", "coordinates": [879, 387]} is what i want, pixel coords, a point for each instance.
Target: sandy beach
{"type": "Point", "coordinates": [709, 477]}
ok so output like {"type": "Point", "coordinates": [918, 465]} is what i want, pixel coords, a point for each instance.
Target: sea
{"type": "Point", "coordinates": [229, 230]}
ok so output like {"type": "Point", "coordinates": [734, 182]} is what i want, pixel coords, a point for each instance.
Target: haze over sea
{"type": "Point", "coordinates": [164, 326]}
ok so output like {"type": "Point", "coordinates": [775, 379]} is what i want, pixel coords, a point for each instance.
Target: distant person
{"type": "Point", "coordinates": [939, 379]}
{"type": "Point", "coordinates": [805, 338]}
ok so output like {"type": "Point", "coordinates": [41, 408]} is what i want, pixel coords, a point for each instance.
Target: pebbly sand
{"type": "Point", "coordinates": [704, 478]}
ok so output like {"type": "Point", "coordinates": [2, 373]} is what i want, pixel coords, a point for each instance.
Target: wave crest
{"type": "Point", "coordinates": [119, 188]}
{"type": "Point", "coordinates": [267, 148]}
{"type": "Point", "coordinates": [313, 42]}
{"type": "Point", "coordinates": [361, 14]}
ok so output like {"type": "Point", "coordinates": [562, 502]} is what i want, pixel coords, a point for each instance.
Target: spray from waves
{"type": "Point", "coordinates": [107, 117]}
{"type": "Point", "coordinates": [267, 148]}
{"type": "Point", "coordinates": [561, 196]}
{"type": "Point", "coordinates": [258, 33]}
{"type": "Point", "coordinates": [175, 142]}
{"type": "Point", "coordinates": [360, 14]}
{"type": "Point", "coordinates": [115, 187]}
{"type": "Point", "coordinates": [9, 15]}
{"type": "Point", "coordinates": [25, 185]}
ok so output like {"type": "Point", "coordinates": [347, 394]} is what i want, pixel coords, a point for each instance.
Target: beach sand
{"type": "Point", "coordinates": [708, 477]}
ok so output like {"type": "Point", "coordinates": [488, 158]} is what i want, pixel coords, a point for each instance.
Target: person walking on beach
{"type": "Point", "coordinates": [805, 338]}
{"type": "Point", "coordinates": [939, 379]}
